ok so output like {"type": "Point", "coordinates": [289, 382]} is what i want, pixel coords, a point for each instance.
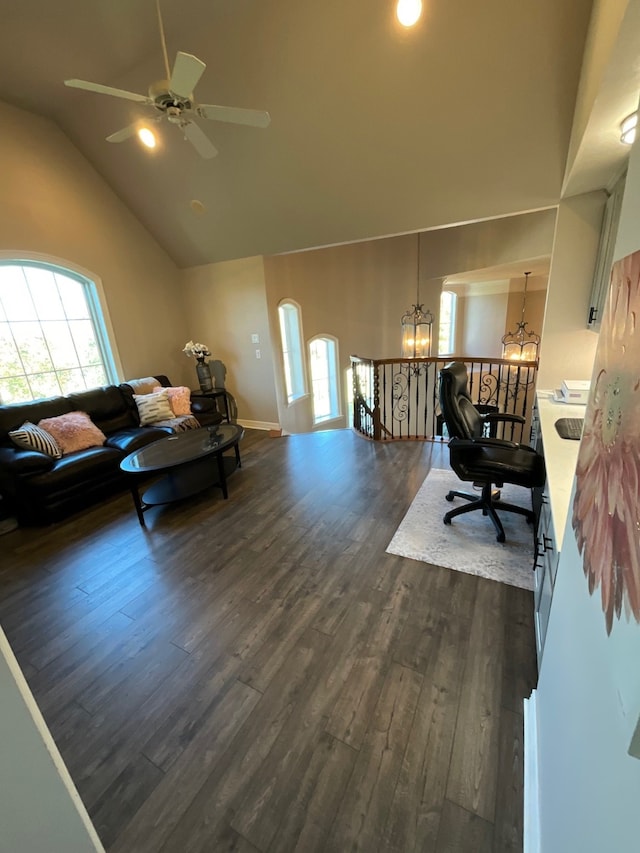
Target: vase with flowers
{"type": "Point", "coordinates": [200, 352]}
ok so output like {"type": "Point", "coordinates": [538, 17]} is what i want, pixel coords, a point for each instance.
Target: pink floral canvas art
{"type": "Point", "coordinates": [606, 515]}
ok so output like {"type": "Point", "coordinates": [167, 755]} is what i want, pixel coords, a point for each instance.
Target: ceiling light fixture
{"type": "Point", "coordinates": [628, 129]}
{"type": "Point", "coordinates": [147, 137]}
{"type": "Point", "coordinates": [416, 325]}
{"type": "Point", "coordinates": [408, 12]}
{"type": "Point", "coordinates": [521, 345]}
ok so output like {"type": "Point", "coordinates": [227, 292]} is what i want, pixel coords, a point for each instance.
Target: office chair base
{"type": "Point", "coordinates": [485, 502]}
{"type": "Point", "coordinates": [495, 494]}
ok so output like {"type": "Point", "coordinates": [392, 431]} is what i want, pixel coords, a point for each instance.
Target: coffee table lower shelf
{"type": "Point", "coordinates": [184, 482]}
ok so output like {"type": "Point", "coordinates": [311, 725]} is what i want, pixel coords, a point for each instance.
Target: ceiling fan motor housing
{"type": "Point", "coordinates": [166, 102]}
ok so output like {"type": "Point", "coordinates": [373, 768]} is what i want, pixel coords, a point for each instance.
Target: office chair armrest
{"type": "Point", "coordinates": [479, 443]}
{"type": "Point", "coordinates": [503, 416]}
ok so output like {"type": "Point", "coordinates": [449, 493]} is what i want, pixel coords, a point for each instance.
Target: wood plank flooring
{"type": "Point", "coordinates": [257, 674]}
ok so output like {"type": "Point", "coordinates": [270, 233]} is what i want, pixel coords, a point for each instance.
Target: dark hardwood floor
{"type": "Point", "coordinates": [258, 674]}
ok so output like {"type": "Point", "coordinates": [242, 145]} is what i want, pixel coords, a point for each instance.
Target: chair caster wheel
{"type": "Point", "coordinates": [500, 537]}
{"type": "Point", "coordinates": [449, 497]}
{"type": "Point", "coordinates": [446, 520]}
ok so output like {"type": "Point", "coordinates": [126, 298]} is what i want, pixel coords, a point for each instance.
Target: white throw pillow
{"type": "Point", "coordinates": [153, 407]}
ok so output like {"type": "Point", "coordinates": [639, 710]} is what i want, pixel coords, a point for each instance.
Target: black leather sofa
{"type": "Point", "coordinates": [38, 489]}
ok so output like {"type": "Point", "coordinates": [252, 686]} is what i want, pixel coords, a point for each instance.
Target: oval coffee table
{"type": "Point", "coordinates": [189, 462]}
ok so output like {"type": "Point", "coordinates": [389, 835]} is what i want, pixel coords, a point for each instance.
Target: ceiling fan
{"type": "Point", "coordinates": [173, 98]}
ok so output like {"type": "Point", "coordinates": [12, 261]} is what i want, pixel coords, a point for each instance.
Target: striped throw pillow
{"type": "Point", "coordinates": [153, 407]}
{"type": "Point", "coordinates": [32, 437]}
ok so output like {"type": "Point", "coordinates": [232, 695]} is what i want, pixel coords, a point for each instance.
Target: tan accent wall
{"type": "Point", "coordinates": [226, 305]}
{"type": "Point", "coordinates": [357, 293]}
{"type": "Point", "coordinates": [482, 320]}
{"type": "Point", "coordinates": [449, 251]}
{"type": "Point", "coordinates": [53, 203]}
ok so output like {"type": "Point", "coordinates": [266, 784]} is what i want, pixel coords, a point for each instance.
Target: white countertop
{"type": "Point", "coordinates": [560, 456]}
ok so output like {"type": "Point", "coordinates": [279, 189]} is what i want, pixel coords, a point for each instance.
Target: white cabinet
{"type": "Point", "coordinates": [546, 566]}
{"type": "Point", "coordinates": [551, 502]}
{"type": "Point", "coordinates": [604, 258]}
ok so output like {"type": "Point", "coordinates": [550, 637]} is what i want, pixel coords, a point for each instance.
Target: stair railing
{"type": "Point", "coordinates": [397, 398]}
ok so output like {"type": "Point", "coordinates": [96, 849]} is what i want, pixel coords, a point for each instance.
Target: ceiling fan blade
{"type": "Point", "coordinates": [107, 90]}
{"type": "Point", "coordinates": [199, 140]}
{"type": "Point", "coordinates": [235, 115]}
{"type": "Point", "coordinates": [121, 135]}
{"type": "Point", "coordinates": [187, 70]}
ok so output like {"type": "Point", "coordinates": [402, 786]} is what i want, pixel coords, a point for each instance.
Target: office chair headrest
{"type": "Point", "coordinates": [456, 375]}
{"type": "Point", "coordinates": [460, 415]}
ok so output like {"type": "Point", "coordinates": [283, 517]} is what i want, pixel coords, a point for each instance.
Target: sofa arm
{"type": "Point", "coordinates": [20, 462]}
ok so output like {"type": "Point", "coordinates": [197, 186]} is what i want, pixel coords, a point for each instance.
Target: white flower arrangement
{"type": "Point", "coordinates": [195, 350]}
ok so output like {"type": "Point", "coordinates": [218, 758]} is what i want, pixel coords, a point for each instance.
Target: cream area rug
{"type": "Point", "coordinates": [469, 543]}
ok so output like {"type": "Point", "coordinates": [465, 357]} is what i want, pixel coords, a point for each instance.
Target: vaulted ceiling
{"type": "Point", "coordinates": [375, 129]}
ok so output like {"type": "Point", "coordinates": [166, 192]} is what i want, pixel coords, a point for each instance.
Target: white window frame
{"type": "Point", "coordinates": [332, 378]}
{"type": "Point", "coordinates": [96, 304]}
{"type": "Point", "coordinates": [451, 342]}
{"type": "Point", "coordinates": [292, 348]}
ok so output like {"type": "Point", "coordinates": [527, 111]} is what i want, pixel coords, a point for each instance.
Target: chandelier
{"type": "Point", "coordinates": [521, 345]}
{"type": "Point", "coordinates": [416, 325]}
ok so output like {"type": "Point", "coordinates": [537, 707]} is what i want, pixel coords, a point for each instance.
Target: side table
{"type": "Point", "coordinates": [217, 392]}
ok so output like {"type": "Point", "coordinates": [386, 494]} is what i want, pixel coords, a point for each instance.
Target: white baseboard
{"type": "Point", "coordinates": [531, 782]}
{"type": "Point", "coordinates": [258, 424]}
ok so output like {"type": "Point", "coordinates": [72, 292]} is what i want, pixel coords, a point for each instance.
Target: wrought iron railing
{"type": "Point", "coordinates": [397, 398]}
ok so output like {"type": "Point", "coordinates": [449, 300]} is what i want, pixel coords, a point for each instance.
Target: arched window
{"type": "Point", "coordinates": [292, 349]}
{"type": "Point", "coordinates": [53, 338]}
{"type": "Point", "coordinates": [323, 362]}
{"type": "Point", "coordinates": [447, 331]}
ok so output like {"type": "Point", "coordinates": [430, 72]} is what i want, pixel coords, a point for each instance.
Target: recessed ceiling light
{"type": "Point", "coordinates": [408, 12]}
{"type": "Point", "coordinates": [147, 137]}
{"type": "Point", "coordinates": [628, 129]}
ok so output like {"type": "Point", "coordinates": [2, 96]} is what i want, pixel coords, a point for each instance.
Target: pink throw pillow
{"type": "Point", "coordinates": [179, 399]}
{"type": "Point", "coordinates": [73, 431]}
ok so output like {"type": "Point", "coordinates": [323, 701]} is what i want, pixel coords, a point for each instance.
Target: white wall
{"type": "Point", "coordinates": [40, 809]}
{"type": "Point", "coordinates": [588, 695]}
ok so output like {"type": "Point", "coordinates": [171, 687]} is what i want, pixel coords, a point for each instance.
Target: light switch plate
{"type": "Point", "coordinates": [255, 339]}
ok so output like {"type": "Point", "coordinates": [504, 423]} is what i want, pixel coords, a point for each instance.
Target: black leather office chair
{"type": "Point", "coordinates": [478, 459]}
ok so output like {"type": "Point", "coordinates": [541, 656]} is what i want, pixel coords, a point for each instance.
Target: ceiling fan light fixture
{"type": "Point", "coordinates": [147, 137]}
{"type": "Point", "coordinates": [408, 12]}
{"type": "Point", "coordinates": [628, 129]}
{"type": "Point", "coordinates": [173, 99]}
